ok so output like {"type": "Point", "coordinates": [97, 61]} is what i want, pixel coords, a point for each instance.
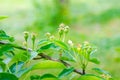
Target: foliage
{"type": "Point", "coordinates": [51, 53]}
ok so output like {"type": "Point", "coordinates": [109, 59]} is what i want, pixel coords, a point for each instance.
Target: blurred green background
{"type": "Point", "coordinates": [96, 21]}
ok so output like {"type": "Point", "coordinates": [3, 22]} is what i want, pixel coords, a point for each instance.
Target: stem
{"type": "Point", "coordinates": [16, 67]}
{"type": "Point", "coordinates": [63, 37]}
{"type": "Point", "coordinates": [44, 56]}
{"type": "Point", "coordinates": [8, 68]}
{"type": "Point", "coordinates": [33, 44]}
{"type": "Point", "coordinates": [83, 71]}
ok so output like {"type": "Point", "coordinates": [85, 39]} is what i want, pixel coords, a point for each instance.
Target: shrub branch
{"type": "Point", "coordinates": [42, 55]}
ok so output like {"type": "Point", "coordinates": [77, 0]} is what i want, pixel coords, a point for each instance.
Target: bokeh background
{"type": "Point", "coordinates": [96, 21]}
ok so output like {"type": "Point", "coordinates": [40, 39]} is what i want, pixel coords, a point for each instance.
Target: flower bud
{"type": "Point", "coordinates": [62, 25]}
{"type": "Point", "coordinates": [61, 31]}
{"type": "Point", "coordinates": [26, 35]}
{"type": "Point", "coordinates": [89, 49]}
{"type": "Point", "coordinates": [24, 43]}
{"type": "Point", "coordinates": [33, 36]}
{"type": "Point", "coordinates": [70, 42]}
{"type": "Point", "coordinates": [86, 43]}
{"type": "Point", "coordinates": [67, 27]}
{"type": "Point", "coordinates": [52, 37]}
{"type": "Point", "coordinates": [79, 47]}
{"type": "Point", "coordinates": [66, 30]}
{"type": "Point", "coordinates": [48, 34]}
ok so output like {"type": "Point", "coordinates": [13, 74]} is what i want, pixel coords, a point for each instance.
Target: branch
{"type": "Point", "coordinates": [42, 55]}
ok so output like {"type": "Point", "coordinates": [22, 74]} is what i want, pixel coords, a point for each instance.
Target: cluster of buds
{"type": "Point", "coordinates": [63, 29]}
{"type": "Point", "coordinates": [86, 43]}
{"type": "Point", "coordinates": [49, 36]}
{"type": "Point", "coordinates": [52, 37]}
{"type": "Point", "coordinates": [26, 36]}
{"type": "Point", "coordinates": [87, 47]}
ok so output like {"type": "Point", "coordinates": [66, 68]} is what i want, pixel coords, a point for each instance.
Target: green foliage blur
{"type": "Point", "coordinates": [97, 21]}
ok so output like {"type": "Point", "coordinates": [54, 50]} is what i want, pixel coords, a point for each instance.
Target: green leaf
{"type": "Point", "coordinates": [14, 68]}
{"type": "Point", "coordinates": [100, 71]}
{"type": "Point", "coordinates": [3, 17]}
{"type": "Point", "coordinates": [43, 42]}
{"type": "Point", "coordinates": [66, 55]}
{"type": "Point", "coordinates": [48, 77]}
{"type": "Point", "coordinates": [5, 48]}
{"type": "Point", "coordinates": [66, 72]}
{"type": "Point", "coordinates": [35, 77]}
{"type": "Point", "coordinates": [48, 46]}
{"type": "Point", "coordinates": [23, 71]}
{"type": "Point", "coordinates": [61, 44]}
{"type": "Point", "coordinates": [22, 56]}
{"type": "Point", "coordinates": [4, 36]}
{"type": "Point", "coordinates": [3, 66]}
{"type": "Point", "coordinates": [94, 60]}
{"type": "Point", "coordinates": [90, 77]}
{"type": "Point", "coordinates": [7, 76]}
{"type": "Point", "coordinates": [48, 64]}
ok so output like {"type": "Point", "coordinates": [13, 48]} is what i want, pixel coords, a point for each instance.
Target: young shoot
{"type": "Point", "coordinates": [63, 30]}
{"type": "Point", "coordinates": [33, 37]}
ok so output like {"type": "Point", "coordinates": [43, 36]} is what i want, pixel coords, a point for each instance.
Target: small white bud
{"type": "Point", "coordinates": [62, 25]}
{"type": "Point", "coordinates": [70, 42]}
{"type": "Point", "coordinates": [52, 37]}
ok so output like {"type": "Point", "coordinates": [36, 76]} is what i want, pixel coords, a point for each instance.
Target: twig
{"type": "Point", "coordinates": [45, 57]}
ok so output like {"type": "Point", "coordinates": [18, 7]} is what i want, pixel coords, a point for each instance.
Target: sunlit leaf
{"type": "Point", "coordinates": [43, 42]}
{"type": "Point", "coordinates": [90, 77]}
{"type": "Point", "coordinates": [61, 44]}
{"type": "Point", "coordinates": [48, 77]}
{"type": "Point", "coordinates": [100, 71]}
{"type": "Point", "coordinates": [94, 60]}
{"type": "Point", "coordinates": [48, 64]}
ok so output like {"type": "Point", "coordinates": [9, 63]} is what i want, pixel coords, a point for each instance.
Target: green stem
{"type": "Point", "coordinates": [33, 44]}
{"type": "Point", "coordinates": [16, 67]}
{"type": "Point", "coordinates": [8, 69]}
{"type": "Point", "coordinates": [64, 35]}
